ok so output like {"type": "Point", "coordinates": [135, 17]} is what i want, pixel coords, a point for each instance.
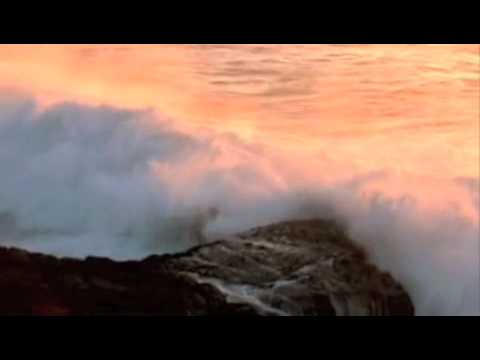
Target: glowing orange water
{"type": "Point", "coordinates": [410, 109]}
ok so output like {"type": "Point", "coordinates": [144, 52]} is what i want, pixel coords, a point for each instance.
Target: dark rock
{"type": "Point", "coordinates": [292, 268]}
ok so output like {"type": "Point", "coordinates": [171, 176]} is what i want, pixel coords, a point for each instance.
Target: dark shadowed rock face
{"type": "Point", "coordinates": [291, 268]}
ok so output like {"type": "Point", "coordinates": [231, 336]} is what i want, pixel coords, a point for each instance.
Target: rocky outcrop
{"type": "Point", "coordinates": [290, 268]}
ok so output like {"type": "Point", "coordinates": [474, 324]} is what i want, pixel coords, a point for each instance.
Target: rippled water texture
{"type": "Point", "coordinates": [406, 108]}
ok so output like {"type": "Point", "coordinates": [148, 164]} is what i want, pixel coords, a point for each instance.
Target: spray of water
{"type": "Point", "coordinates": [78, 181]}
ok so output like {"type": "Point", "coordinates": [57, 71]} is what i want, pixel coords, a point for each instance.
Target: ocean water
{"type": "Point", "coordinates": [120, 151]}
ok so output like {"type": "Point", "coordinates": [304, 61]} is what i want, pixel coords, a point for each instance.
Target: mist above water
{"type": "Point", "coordinates": [78, 181]}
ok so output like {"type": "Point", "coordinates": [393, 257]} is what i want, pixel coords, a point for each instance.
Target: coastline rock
{"type": "Point", "coordinates": [307, 267]}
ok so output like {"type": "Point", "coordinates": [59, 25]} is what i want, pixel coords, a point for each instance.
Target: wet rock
{"type": "Point", "coordinates": [291, 268]}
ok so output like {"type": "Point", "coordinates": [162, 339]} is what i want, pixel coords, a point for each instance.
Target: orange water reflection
{"type": "Point", "coordinates": [411, 109]}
